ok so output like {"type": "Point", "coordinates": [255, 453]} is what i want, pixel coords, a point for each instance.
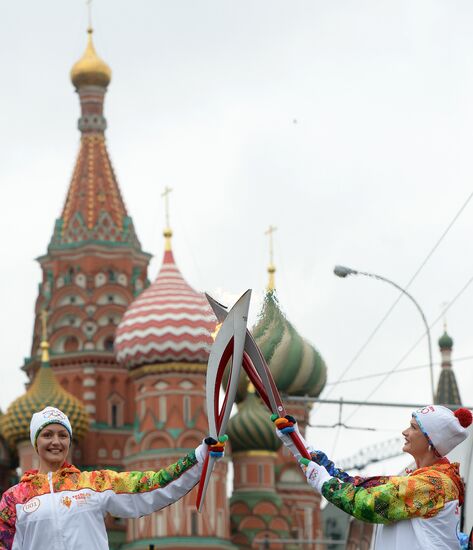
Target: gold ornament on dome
{"type": "Point", "coordinates": [90, 70]}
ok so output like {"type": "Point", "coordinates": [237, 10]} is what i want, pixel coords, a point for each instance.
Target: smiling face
{"type": "Point", "coordinates": [52, 444]}
{"type": "Point", "coordinates": [416, 443]}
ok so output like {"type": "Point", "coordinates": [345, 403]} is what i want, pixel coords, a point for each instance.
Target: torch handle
{"type": "Point", "coordinates": [300, 445]}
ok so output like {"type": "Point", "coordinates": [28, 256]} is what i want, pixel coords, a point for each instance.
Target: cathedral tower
{"type": "Point", "coordinates": [93, 268]}
{"type": "Point", "coordinates": [447, 389]}
{"type": "Point", "coordinates": [164, 340]}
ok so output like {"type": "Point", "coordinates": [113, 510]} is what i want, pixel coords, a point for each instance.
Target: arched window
{"type": "Point", "coordinates": [116, 410]}
{"type": "Point", "coordinates": [114, 415]}
{"type": "Point", "coordinates": [71, 344]}
{"type": "Point", "coordinates": [187, 408]}
{"type": "Point", "coordinates": [108, 343]}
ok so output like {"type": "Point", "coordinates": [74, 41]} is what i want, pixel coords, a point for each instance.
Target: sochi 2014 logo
{"type": "Point", "coordinates": [54, 413]}
{"type": "Point", "coordinates": [426, 410]}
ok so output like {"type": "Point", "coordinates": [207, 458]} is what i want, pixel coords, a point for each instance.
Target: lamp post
{"type": "Point", "coordinates": [342, 271]}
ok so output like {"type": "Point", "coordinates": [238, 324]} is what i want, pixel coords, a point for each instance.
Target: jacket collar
{"type": "Point", "coordinates": [65, 469]}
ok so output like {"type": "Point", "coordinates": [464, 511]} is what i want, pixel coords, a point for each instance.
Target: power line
{"type": "Point", "coordinates": [388, 313]}
{"type": "Point", "coordinates": [409, 351]}
{"type": "Point", "coordinates": [398, 371]}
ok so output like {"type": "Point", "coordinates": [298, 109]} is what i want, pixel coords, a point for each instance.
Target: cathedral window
{"type": "Point", "coordinates": [260, 473]}
{"type": "Point", "coordinates": [114, 414]}
{"type": "Point", "coordinates": [187, 408]}
{"type": "Point", "coordinates": [163, 409]}
{"type": "Point", "coordinates": [194, 523]}
{"type": "Point", "coordinates": [115, 410]}
{"type": "Point", "coordinates": [108, 343]}
{"type": "Point", "coordinates": [71, 344]}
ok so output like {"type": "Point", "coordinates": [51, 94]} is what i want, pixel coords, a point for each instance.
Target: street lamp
{"type": "Point", "coordinates": [343, 271]}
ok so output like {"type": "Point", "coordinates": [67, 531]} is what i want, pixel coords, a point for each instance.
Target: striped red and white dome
{"type": "Point", "coordinates": [168, 322]}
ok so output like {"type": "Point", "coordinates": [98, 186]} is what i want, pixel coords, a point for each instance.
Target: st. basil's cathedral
{"type": "Point", "coordinates": [126, 361]}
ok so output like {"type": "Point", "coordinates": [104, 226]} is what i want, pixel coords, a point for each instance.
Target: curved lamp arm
{"type": "Point", "coordinates": [342, 271]}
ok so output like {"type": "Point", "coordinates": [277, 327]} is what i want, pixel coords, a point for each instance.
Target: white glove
{"type": "Point", "coordinates": [209, 445]}
{"type": "Point", "coordinates": [316, 475]}
{"type": "Point", "coordinates": [287, 440]}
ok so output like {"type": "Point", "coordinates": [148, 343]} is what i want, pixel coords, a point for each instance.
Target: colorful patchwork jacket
{"type": "Point", "coordinates": [65, 509]}
{"type": "Point", "coordinates": [428, 499]}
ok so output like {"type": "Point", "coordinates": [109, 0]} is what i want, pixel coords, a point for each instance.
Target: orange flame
{"type": "Point", "coordinates": [218, 326]}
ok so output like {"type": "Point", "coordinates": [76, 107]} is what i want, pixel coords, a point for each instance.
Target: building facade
{"type": "Point", "coordinates": [126, 360]}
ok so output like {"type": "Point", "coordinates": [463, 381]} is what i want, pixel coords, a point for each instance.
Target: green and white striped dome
{"type": "Point", "coordinates": [251, 429]}
{"type": "Point", "coordinates": [297, 367]}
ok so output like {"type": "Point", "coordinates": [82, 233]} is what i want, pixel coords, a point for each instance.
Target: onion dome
{"type": "Point", "coordinates": [445, 341]}
{"type": "Point", "coordinates": [251, 429]}
{"type": "Point", "coordinates": [168, 322]}
{"type": "Point", "coordinates": [44, 391]}
{"type": "Point", "coordinates": [297, 367]}
{"type": "Point", "coordinates": [90, 70]}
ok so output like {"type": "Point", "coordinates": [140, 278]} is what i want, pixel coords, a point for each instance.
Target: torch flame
{"type": "Point", "coordinates": [218, 326]}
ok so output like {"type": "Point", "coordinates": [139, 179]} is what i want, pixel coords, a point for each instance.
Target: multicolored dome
{"type": "Point", "coordinates": [45, 391]}
{"type": "Point", "coordinates": [251, 428]}
{"type": "Point", "coordinates": [168, 322]}
{"type": "Point", "coordinates": [297, 367]}
{"type": "Point", "coordinates": [90, 70]}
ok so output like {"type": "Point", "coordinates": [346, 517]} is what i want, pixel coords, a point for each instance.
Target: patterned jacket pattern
{"type": "Point", "coordinates": [65, 509]}
{"type": "Point", "coordinates": [428, 498]}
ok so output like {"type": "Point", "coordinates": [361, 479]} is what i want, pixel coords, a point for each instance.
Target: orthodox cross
{"type": "Point", "coordinates": [44, 336]}
{"type": "Point", "coordinates": [165, 194]}
{"type": "Point", "coordinates": [271, 268]}
{"type": "Point", "coordinates": [444, 307]}
{"type": "Point", "coordinates": [167, 230]}
{"type": "Point", "coordinates": [89, 12]}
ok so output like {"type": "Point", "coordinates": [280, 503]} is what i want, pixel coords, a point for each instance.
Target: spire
{"type": "Point", "coordinates": [94, 210]}
{"type": "Point", "coordinates": [167, 230]}
{"type": "Point", "coordinates": [447, 389]}
{"type": "Point", "coordinates": [271, 267]}
{"type": "Point", "coordinates": [44, 337]}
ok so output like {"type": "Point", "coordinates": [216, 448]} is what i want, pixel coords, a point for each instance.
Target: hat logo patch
{"type": "Point", "coordinates": [54, 413]}
{"type": "Point", "coordinates": [426, 410]}
{"type": "Point", "coordinates": [32, 505]}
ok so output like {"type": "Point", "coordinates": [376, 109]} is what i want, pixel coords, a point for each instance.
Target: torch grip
{"type": "Point", "coordinates": [300, 445]}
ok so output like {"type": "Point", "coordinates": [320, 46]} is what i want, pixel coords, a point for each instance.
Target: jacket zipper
{"type": "Point", "coordinates": [56, 520]}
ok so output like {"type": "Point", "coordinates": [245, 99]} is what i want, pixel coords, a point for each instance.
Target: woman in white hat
{"type": "Point", "coordinates": [419, 511]}
{"type": "Point", "coordinates": [58, 506]}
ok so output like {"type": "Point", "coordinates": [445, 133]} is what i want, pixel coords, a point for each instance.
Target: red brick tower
{"type": "Point", "coordinates": [92, 270]}
{"type": "Point", "coordinates": [164, 339]}
{"type": "Point", "coordinates": [258, 516]}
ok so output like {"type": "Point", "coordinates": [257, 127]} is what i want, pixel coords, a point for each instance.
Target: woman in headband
{"type": "Point", "coordinates": [58, 506]}
{"type": "Point", "coordinates": [419, 511]}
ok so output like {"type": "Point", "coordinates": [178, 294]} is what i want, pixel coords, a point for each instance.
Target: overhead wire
{"type": "Point", "coordinates": [397, 371]}
{"type": "Point", "coordinates": [411, 349]}
{"type": "Point", "coordinates": [391, 308]}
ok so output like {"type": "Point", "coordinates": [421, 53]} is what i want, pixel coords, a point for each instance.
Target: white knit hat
{"type": "Point", "coordinates": [443, 428]}
{"type": "Point", "coordinates": [49, 415]}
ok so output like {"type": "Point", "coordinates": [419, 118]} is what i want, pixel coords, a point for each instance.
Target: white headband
{"type": "Point", "coordinates": [49, 415]}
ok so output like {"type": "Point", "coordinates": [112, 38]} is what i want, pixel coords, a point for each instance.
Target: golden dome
{"type": "Point", "coordinates": [45, 390]}
{"type": "Point", "coordinates": [90, 69]}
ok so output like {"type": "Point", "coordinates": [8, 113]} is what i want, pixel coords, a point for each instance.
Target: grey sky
{"type": "Point", "coordinates": [348, 125]}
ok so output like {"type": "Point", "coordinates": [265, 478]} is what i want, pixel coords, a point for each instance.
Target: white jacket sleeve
{"type": "Point", "coordinates": [135, 494]}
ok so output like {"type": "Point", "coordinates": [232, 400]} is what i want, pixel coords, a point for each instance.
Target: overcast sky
{"type": "Point", "coordinates": [348, 125]}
